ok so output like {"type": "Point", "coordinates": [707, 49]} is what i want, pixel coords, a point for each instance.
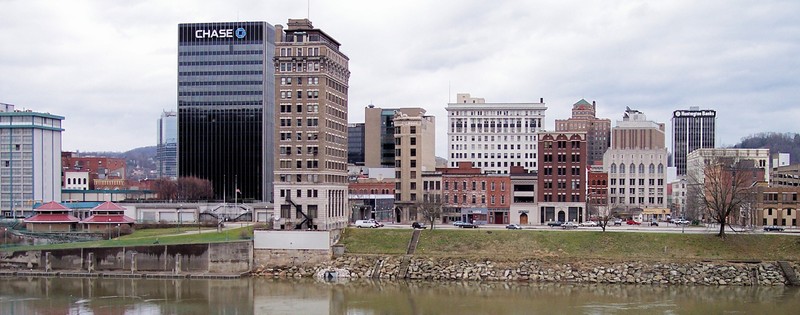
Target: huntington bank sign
{"type": "Point", "coordinates": [220, 33]}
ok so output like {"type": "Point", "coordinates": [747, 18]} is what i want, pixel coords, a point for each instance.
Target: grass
{"type": "Point", "coordinates": [149, 237]}
{"type": "Point", "coordinates": [566, 245]}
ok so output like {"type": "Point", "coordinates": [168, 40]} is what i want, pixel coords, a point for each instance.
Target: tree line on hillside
{"type": "Point", "coordinates": [775, 142]}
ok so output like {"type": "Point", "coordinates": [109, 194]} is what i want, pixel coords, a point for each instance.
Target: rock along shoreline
{"type": "Point", "coordinates": [532, 270]}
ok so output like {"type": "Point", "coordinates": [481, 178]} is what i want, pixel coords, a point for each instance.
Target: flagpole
{"type": "Point", "coordinates": [236, 192]}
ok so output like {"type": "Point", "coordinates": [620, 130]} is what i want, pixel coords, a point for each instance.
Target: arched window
{"type": "Point", "coordinates": [622, 168]}
{"type": "Point", "coordinates": [641, 168]}
{"type": "Point", "coordinates": [633, 168]}
{"type": "Point", "coordinates": [660, 168]}
{"type": "Point", "coordinates": [652, 168]}
{"type": "Point", "coordinates": [613, 168]}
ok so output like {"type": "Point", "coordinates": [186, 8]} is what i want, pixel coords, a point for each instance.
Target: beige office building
{"type": "Point", "coordinates": [415, 147]}
{"type": "Point", "coordinates": [311, 82]}
{"type": "Point", "coordinates": [636, 164]}
{"type": "Point", "coordinates": [379, 134]}
{"type": "Point", "coordinates": [598, 131]}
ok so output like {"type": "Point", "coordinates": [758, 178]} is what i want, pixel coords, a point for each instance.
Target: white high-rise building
{"type": "Point", "coordinates": [30, 144]}
{"type": "Point", "coordinates": [493, 136]}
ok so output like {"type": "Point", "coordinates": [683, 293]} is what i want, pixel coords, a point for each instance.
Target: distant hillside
{"type": "Point", "coordinates": [775, 142]}
{"type": "Point", "coordinates": [140, 162]}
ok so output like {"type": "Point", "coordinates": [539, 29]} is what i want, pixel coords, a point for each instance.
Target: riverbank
{"type": "Point", "coordinates": [558, 256]}
{"type": "Point", "coordinates": [558, 245]}
{"type": "Point", "coordinates": [761, 273]}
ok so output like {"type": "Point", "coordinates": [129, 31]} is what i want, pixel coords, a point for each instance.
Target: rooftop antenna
{"type": "Point", "coordinates": [448, 92]}
{"type": "Point", "coordinates": [308, 7]}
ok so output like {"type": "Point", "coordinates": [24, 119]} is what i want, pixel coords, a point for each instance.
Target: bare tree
{"type": "Point", "coordinates": [166, 189]}
{"type": "Point", "coordinates": [603, 214]}
{"type": "Point", "coordinates": [724, 187]}
{"type": "Point", "coordinates": [194, 188]}
{"type": "Point", "coordinates": [430, 208]}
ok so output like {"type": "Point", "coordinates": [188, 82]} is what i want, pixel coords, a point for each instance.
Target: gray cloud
{"type": "Point", "coordinates": [110, 67]}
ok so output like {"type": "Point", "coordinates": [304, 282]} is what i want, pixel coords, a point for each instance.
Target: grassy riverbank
{"type": "Point", "coordinates": [518, 245]}
{"type": "Point", "coordinates": [153, 236]}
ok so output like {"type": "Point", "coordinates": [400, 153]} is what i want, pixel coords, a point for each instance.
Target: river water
{"type": "Point", "coordinates": [264, 296]}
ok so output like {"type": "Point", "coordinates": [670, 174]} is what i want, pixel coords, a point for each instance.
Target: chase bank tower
{"type": "Point", "coordinates": [226, 106]}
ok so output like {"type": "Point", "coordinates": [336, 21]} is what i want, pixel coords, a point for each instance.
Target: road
{"type": "Point", "coordinates": [662, 228]}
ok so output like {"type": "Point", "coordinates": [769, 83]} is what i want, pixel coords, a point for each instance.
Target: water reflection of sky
{"type": "Point", "coordinates": [262, 296]}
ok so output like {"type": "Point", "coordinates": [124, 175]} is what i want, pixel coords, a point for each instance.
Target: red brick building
{"type": "Point", "coordinates": [104, 172]}
{"type": "Point", "coordinates": [597, 190]}
{"type": "Point", "coordinates": [469, 195]}
{"type": "Point", "coordinates": [370, 198]}
{"type": "Point", "coordinates": [562, 177]}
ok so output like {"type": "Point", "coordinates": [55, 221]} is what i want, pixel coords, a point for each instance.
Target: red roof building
{"type": "Point", "coordinates": [105, 217]}
{"type": "Point", "coordinates": [52, 217]}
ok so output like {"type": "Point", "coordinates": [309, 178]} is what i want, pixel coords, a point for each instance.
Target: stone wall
{"type": "Point", "coordinates": [636, 272]}
{"type": "Point", "coordinates": [308, 258]}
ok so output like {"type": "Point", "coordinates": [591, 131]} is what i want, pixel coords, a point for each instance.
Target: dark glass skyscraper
{"type": "Point", "coordinates": [691, 130]}
{"type": "Point", "coordinates": [355, 144]}
{"type": "Point", "coordinates": [226, 106]}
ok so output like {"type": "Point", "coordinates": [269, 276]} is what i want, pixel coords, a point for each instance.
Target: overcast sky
{"type": "Point", "coordinates": [110, 67]}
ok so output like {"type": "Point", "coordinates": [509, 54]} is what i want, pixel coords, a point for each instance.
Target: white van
{"type": "Point", "coordinates": [366, 224]}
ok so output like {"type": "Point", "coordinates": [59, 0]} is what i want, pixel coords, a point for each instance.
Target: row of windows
{"type": "Point", "coordinates": [787, 210]}
{"type": "Point", "coordinates": [474, 185]}
{"type": "Point", "coordinates": [287, 136]}
{"type": "Point", "coordinates": [480, 164]}
{"type": "Point", "coordinates": [76, 181]}
{"type": "Point", "coordinates": [310, 51]}
{"type": "Point", "coordinates": [482, 113]}
{"type": "Point", "coordinates": [473, 199]}
{"type": "Point", "coordinates": [774, 197]}
{"type": "Point", "coordinates": [298, 164]}
{"type": "Point", "coordinates": [561, 198]}
{"type": "Point", "coordinates": [310, 150]}
{"type": "Point", "coordinates": [310, 108]}
{"type": "Point", "coordinates": [221, 103]}
{"type": "Point", "coordinates": [492, 155]}
{"type": "Point", "coordinates": [310, 122]}
{"type": "Point", "coordinates": [209, 73]}
{"type": "Point", "coordinates": [632, 191]}
{"type": "Point", "coordinates": [204, 83]}
{"type": "Point", "coordinates": [220, 93]}
{"type": "Point", "coordinates": [632, 200]}
{"type": "Point", "coordinates": [783, 222]}
{"type": "Point", "coordinates": [299, 80]}
{"type": "Point", "coordinates": [310, 94]}
{"type": "Point", "coordinates": [298, 67]}
{"type": "Point", "coordinates": [221, 53]}
{"type": "Point", "coordinates": [562, 171]}
{"type": "Point", "coordinates": [221, 63]}
{"type": "Point", "coordinates": [632, 181]}
{"type": "Point", "coordinates": [651, 169]}
{"type": "Point", "coordinates": [562, 144]}
{"type": "Point", "coordinates": [575, 158]}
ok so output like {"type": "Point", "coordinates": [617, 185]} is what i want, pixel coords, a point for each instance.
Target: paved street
{"type": "Point", "coordinates": [662, 228]}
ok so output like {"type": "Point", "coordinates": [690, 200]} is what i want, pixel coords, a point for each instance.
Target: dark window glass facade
{"type": "Point", "coordinates": [691, 130]}
{"type": "Point", "coordinates": [355, 144]}
{"type": "Point", "coordinates": [226, 106]}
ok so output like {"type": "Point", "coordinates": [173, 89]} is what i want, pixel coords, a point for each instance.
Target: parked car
{"type": "Point", "coordinates": [376, 222]}
{"type": "Point", "coordinates": [773, 228]}
{"type": "Point", "coordinates": [618, 222]}
{"type": "Point", "coordinates": [418, 225]}
{"type": "Point", "coordinates": [632, 222]}
{"type": "Point", "coordinates": [654, 223]}
{"type": "Point", "coordinates": [366, 224]}
{"type": "Point", "coordinates": [457, 223]}
{"type": "Point", "coordinates": [467, 225]}
{"type": "Point", "coordinates": [554, 223]}
{"type": "Point", "coordinates": [588, 223]}
{"type": "Point", "coordinates": [513, 227]}
{"type": "Point", "coordinates": [569, 225]}
{"type": "Point", "coordinates": [681, 221]}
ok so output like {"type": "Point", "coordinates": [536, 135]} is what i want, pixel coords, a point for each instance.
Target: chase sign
{"type": "Point", "coordinates": [201, 32]}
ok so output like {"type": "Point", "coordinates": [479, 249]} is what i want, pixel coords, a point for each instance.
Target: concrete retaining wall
{"type": "Point", "coordinates": [222, 258]}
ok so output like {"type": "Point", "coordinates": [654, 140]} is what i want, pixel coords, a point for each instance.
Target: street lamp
{"type": "Point", "coordinates": [5, 236]}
